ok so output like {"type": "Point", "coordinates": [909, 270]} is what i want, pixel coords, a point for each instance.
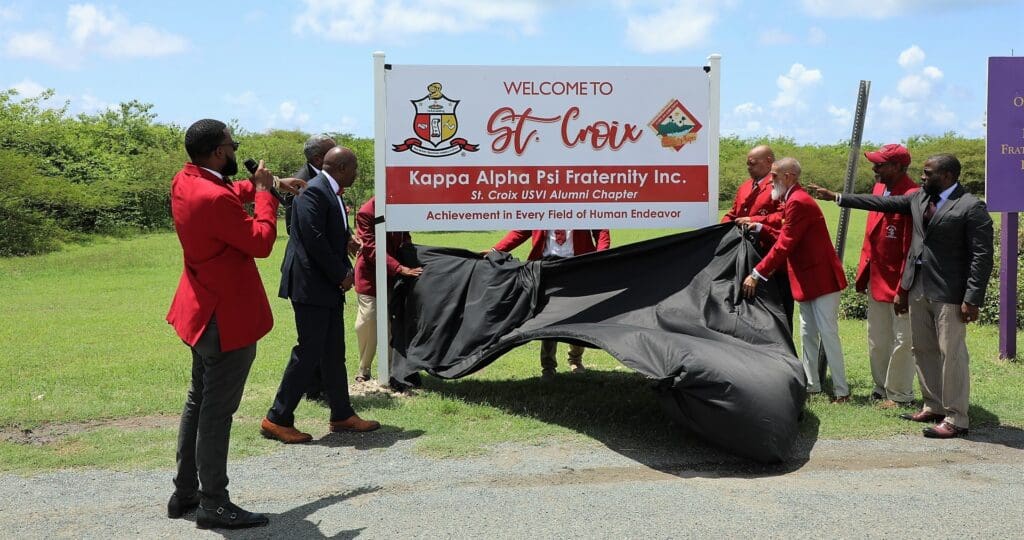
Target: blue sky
{"type": "Point", "coordinates": [790, 68]}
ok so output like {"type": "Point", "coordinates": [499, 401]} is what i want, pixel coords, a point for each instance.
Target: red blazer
{"type": "Point", "coordinates": [219, 241]}
{"type": "Point", "coordinates": [366, 277]}
{"type": "Point", "coordinates": [806, 249]}
{"type": "Point", "coordinates": [756, 204]}
{"type": "Point", "coordinates": [886, 243]}
{"type": "Point", "coordinates": [583, 241]}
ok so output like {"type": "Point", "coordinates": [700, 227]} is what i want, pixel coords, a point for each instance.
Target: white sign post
{"type": "Point", "coordinates": [542, 147]}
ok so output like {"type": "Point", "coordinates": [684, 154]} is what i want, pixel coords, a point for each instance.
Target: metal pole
{"type": "Point", "coordinates": [851, 175]}
{"type": "Point", "coordinates": [714, 69]}
{"type": "Point", "coordinates": [380, 227]}
{"type": "Point", "coordinates": [1008, 286]}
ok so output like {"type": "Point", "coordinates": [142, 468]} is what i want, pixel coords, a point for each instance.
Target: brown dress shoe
{"type": "Point", "coordinates": [839, 400]}
{"type": "Point", "coordinates": [287, 435]}
{"type": "Point", "coordinates": [354, 423]}
{"type": "Point", "coordinates": [923, 416]}
{"type": "Point", "coordinates": [945, 430]}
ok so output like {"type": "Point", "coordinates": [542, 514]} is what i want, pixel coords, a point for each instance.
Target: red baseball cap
{"type": "Point", "coordinates": [890, 153]}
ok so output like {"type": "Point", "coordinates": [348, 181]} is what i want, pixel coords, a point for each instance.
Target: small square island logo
{"type": "Point", "coordinates": [435, 125]}
{"type": "Point", "coordinates": [675, 125]}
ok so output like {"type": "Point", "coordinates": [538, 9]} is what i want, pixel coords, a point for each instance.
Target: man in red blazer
{"type": "Point", "coordinates": [754, 203]}
{"type": "Point", "coordinates": [755, 209]}
{"type": "Point", "coordinates": [815, 275]}
{"type": "Point", "coordinates": [219, 310]}
{"type": "Point", "coordinates": [886, 244]}
{"type": "Point", "coordinates": [557, 244]}
{"type": "Point", "coordinates": [366, 282]}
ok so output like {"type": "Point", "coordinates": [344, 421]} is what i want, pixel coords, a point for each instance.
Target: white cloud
{"type": "Point", "coordinates": [775, 36]}
{"type": "Point", "coordinates": [684, 23]}
{"type": "Point", "coordinates": [914, 87]}
{"type": "Point", "coordinates": [245, 99]}
{"type": "Point", "coordinates": [92, 29]}
{"type": "Point", "coordinates": [884, 9]}
{"type": "Point", "coordinates": [841, 116]}
{"type": "Point", "coordinates": [911, 57]}
{"type": "Point", "coordinates": [747, 109]}
{"type": "Point", "coordinates": [794, 85]}
{"type": "Point", "coordinates": [360, 21]}
{"type": "Point", "coordinates": [932, 73]}
{"type": "Point", "coordinates": [816, 36]}
{"type": "Point", "coordinates": [90, 104]}
{"type": "Point", "coordinates": [28, 88]}
{"type": "Point", "coordinates": [34, 46]}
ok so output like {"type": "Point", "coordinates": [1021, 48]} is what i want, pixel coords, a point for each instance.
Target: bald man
{"type": "Point", "coordinates": [315, 275]}
{"type": "Point", "coordinates": [756, 210]}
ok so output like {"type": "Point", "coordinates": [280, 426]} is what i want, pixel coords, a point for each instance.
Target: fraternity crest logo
{"type": "Point", "coordinates": [435, 124]}
{"type": "Point", "coordinates": [675, 126]}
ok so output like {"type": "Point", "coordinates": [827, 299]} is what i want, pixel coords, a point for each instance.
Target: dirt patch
{"type": "Point", "coordinates": [53, 432]}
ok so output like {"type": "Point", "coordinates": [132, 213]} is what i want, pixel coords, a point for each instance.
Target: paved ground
{"type": "Point", "coordinates": [376, 486]}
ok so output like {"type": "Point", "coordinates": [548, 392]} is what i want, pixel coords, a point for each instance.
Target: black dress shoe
{"type": "Point", "coordinates": [179, 506]}
{"type": "Point", "coordinates": [228, 516]}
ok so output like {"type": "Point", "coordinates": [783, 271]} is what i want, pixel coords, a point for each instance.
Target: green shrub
{"type": "Point", "coordinates": [852, 304]}
{"type": "Point", "coordinates": [989, 311]}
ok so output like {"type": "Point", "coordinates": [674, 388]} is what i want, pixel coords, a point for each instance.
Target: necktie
{"type": "Point", "coordinates": [559, 236]}
{"type": "Point", "coordinates": [929, 211]}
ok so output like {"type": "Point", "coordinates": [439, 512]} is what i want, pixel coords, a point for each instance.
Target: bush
{"type": "Point", "coordinates": [989, 311]}
{"type": "Point", "coordinates": [852, 304]}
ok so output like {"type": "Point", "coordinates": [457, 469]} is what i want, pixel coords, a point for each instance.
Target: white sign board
{"type": "Point", "coordinates": [519, 147]}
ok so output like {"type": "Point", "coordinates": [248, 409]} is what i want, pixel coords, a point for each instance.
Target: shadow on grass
{"type": "Point", "coordinates": [293, 523]}
{"type": "Point", "coordinates": [621, 410]}
{"type": "Point", "coordinates": [384, 437]}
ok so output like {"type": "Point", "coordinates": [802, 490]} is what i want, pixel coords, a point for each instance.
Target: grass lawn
{"type": "Point", "coordinates": [83, 340]}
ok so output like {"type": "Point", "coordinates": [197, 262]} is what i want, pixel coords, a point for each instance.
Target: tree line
{"type": "Point", "coordinates": [66, 176]}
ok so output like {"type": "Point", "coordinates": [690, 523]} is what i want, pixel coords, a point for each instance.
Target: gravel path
{"type": "Point", "coordinates": [375, 486]}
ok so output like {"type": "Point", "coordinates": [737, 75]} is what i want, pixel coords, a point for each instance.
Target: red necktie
{"type": "Point", "coordinates": [929, 211]}
{"type": "Point", "coordinates": [559, 236]}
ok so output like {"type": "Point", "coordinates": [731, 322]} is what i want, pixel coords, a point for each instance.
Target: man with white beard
{"type": "Point", "coordinates": [815, 275]}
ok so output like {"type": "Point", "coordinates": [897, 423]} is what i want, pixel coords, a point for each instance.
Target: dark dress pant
{"type": "Point", "coordinates": [218, 379]}
{"type": "Point", "coordinates": [320, 348]}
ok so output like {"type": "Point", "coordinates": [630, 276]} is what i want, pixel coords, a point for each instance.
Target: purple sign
{"type": "Point", "coordinates": [1004, 157]}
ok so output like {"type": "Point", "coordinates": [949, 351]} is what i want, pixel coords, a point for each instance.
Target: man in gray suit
{"type": "Point", "coordinates": [943, 284]}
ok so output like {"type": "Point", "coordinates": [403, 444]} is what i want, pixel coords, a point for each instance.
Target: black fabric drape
{"type": "Point", "coordinates": [670, 308]}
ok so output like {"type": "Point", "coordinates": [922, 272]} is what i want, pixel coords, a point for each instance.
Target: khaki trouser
{"type": "Point", "coordinates": [889, 348]}
{"type": "Point", "coordinates": [366, 332]}
{"type": "Point", "coordinates": [940, 351]}
{"type": "Point", "coordinates": [548, 350]}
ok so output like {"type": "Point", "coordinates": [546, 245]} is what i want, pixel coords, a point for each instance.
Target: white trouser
{"type": "Point", "coordinates": [819, 319]}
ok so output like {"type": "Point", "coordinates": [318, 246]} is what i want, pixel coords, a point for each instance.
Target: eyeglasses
{"type": "Point", "coordinates": [232, 144]}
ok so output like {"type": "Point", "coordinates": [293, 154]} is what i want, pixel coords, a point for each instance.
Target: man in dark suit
{"type": "Point", "coordinates": [944, 279]}
{"type": "Point", "coordinates": [315, 149]}
{"type": "Point", "coordinates": [220, 311]}
{"type": "Point", "coordinates": [315, 275]}
{"type": "Point", "coordinates": [815, 275]}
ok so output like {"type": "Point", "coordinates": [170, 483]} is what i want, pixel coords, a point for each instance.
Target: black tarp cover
{"type": "Point", "coordinates": [669, 308]}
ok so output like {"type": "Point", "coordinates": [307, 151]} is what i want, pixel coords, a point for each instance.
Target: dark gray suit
{"type": "Point", "coordinates": [315, 263]}
{"type": "Point", "coordinates": [305, 173]}
{"type": "Point", "coordinates": [955, 248]}
{"type": "Point", "coordinates": [949, 263]}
